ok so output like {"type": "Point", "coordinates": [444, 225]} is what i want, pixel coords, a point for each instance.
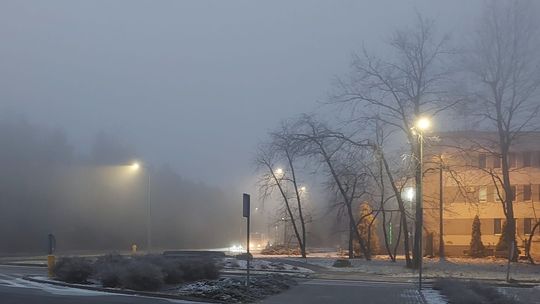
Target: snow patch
{"type": "Point", "coordinates": [433, 297]}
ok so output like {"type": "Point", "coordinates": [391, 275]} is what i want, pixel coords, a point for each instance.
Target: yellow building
{"type": "Point", "coordinates": [469, 167]}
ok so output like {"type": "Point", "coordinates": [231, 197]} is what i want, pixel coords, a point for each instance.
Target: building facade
{"type": "Point", "coordinates": [465, 167]}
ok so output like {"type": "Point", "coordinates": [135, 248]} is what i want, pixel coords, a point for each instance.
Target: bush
{"type": "Point", "coordinates": [109, 268]}
{"type": "Point", "coordinates": [110, 275]}
{"type": "Point", "coordinates": [280, 249]}
{"type": "Point", "coordinates": [142, 275]}
{"type": "Point", "coordinates": [476, 249]}
{"type": "Point", "coordinates": [198, 269]}
{"type": "Point", "coordinates": [342, 263]}
{"type": "Point", "coordinates": [73, 270]}
{"type": "Point", "coordinates": [471, 292]}
{"type": "Point", "coordinates": [169, 266]}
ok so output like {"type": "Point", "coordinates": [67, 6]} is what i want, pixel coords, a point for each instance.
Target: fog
{"type": "Point", "coordinates": [186, 87]}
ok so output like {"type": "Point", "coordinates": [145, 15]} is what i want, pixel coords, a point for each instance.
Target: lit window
{"type": "Point", "coordinates": [482, 194]}
{"type": "Point", "coordinates": [497, 226]}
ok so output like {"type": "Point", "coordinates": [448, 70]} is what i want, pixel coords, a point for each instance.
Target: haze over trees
{"type": "Point", "coordinates": [93, 200]}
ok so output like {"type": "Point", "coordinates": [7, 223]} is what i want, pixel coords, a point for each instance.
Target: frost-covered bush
{"type": "Point", "coordinates": [73, 269]}
{"type": "Point", "coordinates": [342, 263]}
{"type": "Point", "coordinates": [199, 269]}
{"type": "Point", "coordinates": [171, 267]}
{"type": "Point", "coordinates": [142, 275]}
{"type": "Point", "coordinates": [109, 268]}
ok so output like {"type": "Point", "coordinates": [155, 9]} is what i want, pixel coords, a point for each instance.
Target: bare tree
{"type": "Point", "coordinates": [504, 66]}
{"type": "Point", "coordinates": [399, 91]}
{"type": "Point", "coordinates": [282, 148]}
{"type": "Point", "coordinates": [344, 164]}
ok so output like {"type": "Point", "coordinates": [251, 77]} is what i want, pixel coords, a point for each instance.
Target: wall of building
{"type": "Point", "coordinates": [469, 190]}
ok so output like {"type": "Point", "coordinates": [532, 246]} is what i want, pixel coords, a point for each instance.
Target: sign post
{"type": "Point", "coordinates": [51, 259]}
{"type": "Point", "coordinates": [246, 214]}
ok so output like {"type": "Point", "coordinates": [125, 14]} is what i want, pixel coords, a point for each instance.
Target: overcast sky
{"type": "Point", "coordinates": [195, 84]}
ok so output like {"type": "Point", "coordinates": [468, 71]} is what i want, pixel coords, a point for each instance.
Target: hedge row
{"type": "Point", "coordinates": [149, 272]}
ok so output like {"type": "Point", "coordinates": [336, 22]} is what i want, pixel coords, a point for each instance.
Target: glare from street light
{"type": "Point", "coordinates": [279, 172]}
{"type": "Point", "coordinates": [135, 166]}
{"type": "Point", "coordinates": [423, 123]}
{"type": "Point", "coordinates": [303, 189]}
{"type": "Point", "coordinates": [409, 194]}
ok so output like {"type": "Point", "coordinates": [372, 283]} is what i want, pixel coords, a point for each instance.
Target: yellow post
{"type": "Point", "coordinates": [134, 249]}
{"type": "Point", "coordinates": [51, 260]}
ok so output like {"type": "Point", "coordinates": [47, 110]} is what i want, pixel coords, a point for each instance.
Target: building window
{"type": "Point", "coordinates": [496, 194]}
{"type": "Point", "coordinates": [496, 162]}
{"type": "Point", "coordinates": [527, 226]}
{"type": "Point", "coordinates": [497, 226]}
{"type": "Point", "coordinates": [482, 194]}
{"type": "Point", "coordinates": [527, 156]}
{"type": "Point", "coordinates": [482, 161]}
{"type": "Point", "coordinates": [527, 193]}
{"type": "Point", "coordinates": [513, 193]}
{"type": "Point", "coordinates": [512, 160]}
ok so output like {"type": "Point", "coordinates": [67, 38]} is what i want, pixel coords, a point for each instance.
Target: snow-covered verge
{"type": "Point", "coordinates": [461, 291]}
{"type": "Point", "coordinates": [488, 268]}
{"type": "Point", "coordinates": [262, 265]}
{"type": "Point", "coordinates": [233, 290]}
{"type": "Point", "coordinates": [433, 296]}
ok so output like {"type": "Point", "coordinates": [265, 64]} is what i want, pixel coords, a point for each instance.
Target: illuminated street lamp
{"type": "Point", "coordinates": [421, 125]}
{"type": "Point", "coordinates": [136, 166]}
{"type": "Point", "coordinates": [279, 172]}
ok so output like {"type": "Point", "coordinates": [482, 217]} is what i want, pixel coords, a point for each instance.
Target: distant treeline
{"type": "Point", "coordinates": [95, 201]}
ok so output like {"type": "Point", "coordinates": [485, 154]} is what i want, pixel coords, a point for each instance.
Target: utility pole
{"type": "Point", "coordinates": [441, 200]}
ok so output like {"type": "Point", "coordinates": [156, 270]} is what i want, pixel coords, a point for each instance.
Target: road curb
{"type": "Point", "coordinates": [25, 264]}
{"type": "Point", "coordinates": [123, 291]}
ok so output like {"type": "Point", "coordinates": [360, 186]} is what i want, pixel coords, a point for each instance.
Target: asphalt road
{"type": "Point", "coordinates": [15, 290]}
{"type": "Point", "coordinates": [348, 291]}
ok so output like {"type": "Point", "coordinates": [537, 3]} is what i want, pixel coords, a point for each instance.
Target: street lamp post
{"type": "Point", "coordinates": [422, 124]}
{"type": "Point", "coordinates": [441, 199]}
{"type": "Point", "coordinates": [137, 166]}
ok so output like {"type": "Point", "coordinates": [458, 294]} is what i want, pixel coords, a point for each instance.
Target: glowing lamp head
{"type": "Point", "coordinates": [423, 124]}
{"type": "Point", "coordinates": [279, 172]}
{"type": "Point", "coordinates": [135, 166]}
{"type": "Point", "coordinates": [303, 189]}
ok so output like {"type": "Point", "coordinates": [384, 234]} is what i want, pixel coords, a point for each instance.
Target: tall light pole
{"type": "Point", "coordinates": [421, 125]}
{"type": "Point", "coordinates": [441, 199]}
{"type": "Point", "coordinates": [137, 166]}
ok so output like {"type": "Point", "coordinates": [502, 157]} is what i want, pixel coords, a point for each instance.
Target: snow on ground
{"type": "Point", "coordinates": [233, 290]}
{"type": "Point", "coordinates": [59, 290]}
{"type": "Point", "coordinates": [433, 296]}
{"type": "Point", "coordinates": [257, 264]}
{"type": "Point", "coordinates": [487, 268]}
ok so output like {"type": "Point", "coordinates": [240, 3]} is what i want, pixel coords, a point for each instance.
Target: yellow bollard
{"type": "Point", "coordinates": [134, 249]}
{"type": "Point", "coordinates": [51, 260]}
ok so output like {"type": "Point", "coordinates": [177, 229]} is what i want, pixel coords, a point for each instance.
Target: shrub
{"type": "Point", "coordinates": [476, 249]}
{"type": "Point", "coordinates": [110, 275]}
{"type": "Point", "coordinates": [73, 270]}
{"type": "Point", "coordinates": [142, 275]}
{"type": "Point", "coordinates": [342, 263]}
{"type": "Point", "coordinates": [109, 268]}
{"type": "Point", "coordinates": [198, 269]}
